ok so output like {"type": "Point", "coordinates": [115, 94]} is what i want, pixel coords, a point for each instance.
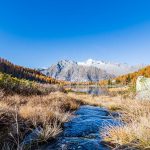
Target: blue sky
{"type": "Point", "coordinates": [37, 33]}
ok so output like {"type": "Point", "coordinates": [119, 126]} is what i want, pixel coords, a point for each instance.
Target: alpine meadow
{"type": "Point", "coordinates": [75, 75]}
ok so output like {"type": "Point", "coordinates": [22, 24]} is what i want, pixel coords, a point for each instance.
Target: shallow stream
{"type": "Point", "coordinates": [82, 132]}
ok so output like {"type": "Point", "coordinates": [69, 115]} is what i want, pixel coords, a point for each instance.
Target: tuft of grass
{"type": "Point", "coordinates": [136, 134]}
{"type": "Point", "coordinates": [50, 130]}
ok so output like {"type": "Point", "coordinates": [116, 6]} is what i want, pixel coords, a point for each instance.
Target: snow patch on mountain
{"type": "Point", "coordinates": [111, 67]}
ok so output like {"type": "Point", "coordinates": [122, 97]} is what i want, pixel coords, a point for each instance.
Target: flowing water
{"type": "Point", "coordinates": [83, 131]}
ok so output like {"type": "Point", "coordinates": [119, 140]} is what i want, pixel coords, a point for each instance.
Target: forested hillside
{"type": "Point", "coordinates": [12, 85]}
{"type": "Point", "coordinates": [129, 78]}
{"type": "Point", "coordinates": [24, 73]}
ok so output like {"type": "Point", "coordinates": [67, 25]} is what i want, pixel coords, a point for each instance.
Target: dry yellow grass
{"type": "Point", "coordinates": [135, 134]}
{"type": "Point", "coordinates": [124, 88]}
{"type": "Point", "coordinates": [48, 112]}
{"type": "Point", "coordinates": [136, 131]}
{"type": "Point", "coordinates": [50, 130]}
{"type": "Point", "coordinates": [86, 99]}
{"type": "Point", "coordinates": [112, 103]}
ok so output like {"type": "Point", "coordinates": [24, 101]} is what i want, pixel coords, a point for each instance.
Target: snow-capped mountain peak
{"type": "Point", "coordinates": [91, 62]}
{"type": "Point", "coordinates": [111, 67]}
{"type": "Point", "coordinates": [90, 70]}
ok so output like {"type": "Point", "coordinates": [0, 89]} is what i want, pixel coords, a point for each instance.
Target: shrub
{"type": "Point", "coordinates": [25, 87]}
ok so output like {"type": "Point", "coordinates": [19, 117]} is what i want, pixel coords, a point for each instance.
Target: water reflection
{"type": "Point", "coordinates": [90, 90]}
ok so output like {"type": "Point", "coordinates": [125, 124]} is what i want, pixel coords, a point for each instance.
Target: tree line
{"type": "Point", "coordinates": [129, 78]}
{"type": "Point", "coordinates": [25, 73]}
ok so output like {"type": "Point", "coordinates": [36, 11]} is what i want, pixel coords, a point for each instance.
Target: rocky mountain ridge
{"type": "Point", "coordinates": [89, 70]}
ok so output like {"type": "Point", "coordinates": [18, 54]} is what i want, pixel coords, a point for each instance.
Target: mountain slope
{"type": "Point", "coordinates": [90, 70]}
{"type": "Point", "coordinates": [71, 71]}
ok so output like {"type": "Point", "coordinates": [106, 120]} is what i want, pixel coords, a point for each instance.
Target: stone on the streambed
{"type": "Point", "coordinates": [32, 137]}
{"type": "Point", "coordinates": [76, 143]}
{"type": "Point", "coordinates": [143, 88]}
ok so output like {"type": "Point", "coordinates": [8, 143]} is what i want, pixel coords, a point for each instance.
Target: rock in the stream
{"type": "Point", "coordinates": [76, 143]}
{"type": "Point", "coordinates": [82, 144]}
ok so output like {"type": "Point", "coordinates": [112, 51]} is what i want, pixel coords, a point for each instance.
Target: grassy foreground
{"type": "Point", "coordinates": [20, 115]}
